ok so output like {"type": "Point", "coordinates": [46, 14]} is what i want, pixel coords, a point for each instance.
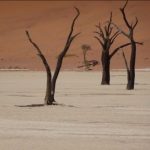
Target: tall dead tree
{"type": "Point", "coordinates": [130, 36]}
{"type": "Point", "coordinates": [106, 37]}
{"type": "Point", "coordinates": [51, 81]}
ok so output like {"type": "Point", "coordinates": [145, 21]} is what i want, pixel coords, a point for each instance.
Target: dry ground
{"type": "Point", "coordinates": [89, 117]}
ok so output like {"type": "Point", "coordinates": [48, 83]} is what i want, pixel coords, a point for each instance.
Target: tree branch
{"type": "Point", "coordinates": [120, 30]}
{"type": "Point", "coordinates": [101, 32]}
{"type": "Point", "coordinates": [126, 64]}
{"type": "Point", "coordinates": [34, 44]}
{"type": "Point", "coordinates": [122, 46]}
{"type": "Point", "coordinates": [108, 28]}
{"type": "Point", "coordinates": [124, 15]}
{"type": "Point", "coordinates": [72, 25]}
{"type": "Point", "coordinates": [99, 40]}
{"type": "Point", "coordinates": [114, 36]}
{"type": "Point", "coordinates": [109, 25]}
{"type": "Point", "coordinates": [47, 67]}
{"type": "Point", "coordinates": [39, 52]}
{"type": "Point", "coordinates": [136, 22]}
{"type": "Point", "coordinates": [70, 38]}
{"type": "Point", "coordinates": [117, 49]}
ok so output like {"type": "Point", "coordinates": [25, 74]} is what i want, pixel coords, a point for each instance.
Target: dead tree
{"type": "Point", "coordinates": [85, 49]}
{"type": "Point", "coordinates": [106, 37]}
{"type": "Point", "coordinates": [130, 36]}
{"type": "Point", "coordinates": [51, 81]}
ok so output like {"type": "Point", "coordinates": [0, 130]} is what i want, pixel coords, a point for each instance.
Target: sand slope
{"type": "Point", "coordinates": [49, 23]}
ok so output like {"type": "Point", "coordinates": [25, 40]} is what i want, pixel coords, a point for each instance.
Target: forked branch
{"type": "Point", "coordinates": [50, 90]}
{"type": "Point", "coordinates": [47, 67]}
{"type": "Point", "coordinates": [114, 36]}
{"type": "Point", "coordinates": [130, 27]}
{"type": "Point", "coordinates": [106, 36]}
{"type": "Point", "coordinates": [136, 22]}
{"type": "Point", "coordinates": [39, 52]}
{"type": "Point", "coordinates": [120, 30]}
{"type": "Point", "coordinates": [101, 32]}
{"type": "Point", "coordinates": [70, 38]}
{"type": "Point", "coordinates": [124, 15]}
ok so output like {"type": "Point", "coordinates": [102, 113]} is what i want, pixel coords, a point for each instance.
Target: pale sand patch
{"type": "Point", "coordinates": [89, 117]}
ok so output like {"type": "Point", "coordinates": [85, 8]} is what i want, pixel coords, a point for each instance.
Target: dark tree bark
{"type": "Point", "coordinates": [131, 28]}
{"type": "Point", "coordinates": [105, 68]}
{"type": "Point", "coordinates": [106, 38]}
{"type": "Point", "coordinates": [51, 81]}
{"type": "Point", "coordinates": [48, 96]}
{"type": "Point", "coordinates": [130, 36]}
{"type": "Point", "coordinates": [70, 38]}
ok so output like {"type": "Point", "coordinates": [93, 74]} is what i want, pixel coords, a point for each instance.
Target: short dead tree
{"type": "Point", "coordinates": [106, 37]}
{"type": "Point", "coordinates": [51, 81]}
{"type": "Point", "coordinates": [87, 64]}
{"type": "Point", "coordinates": [85, 49]}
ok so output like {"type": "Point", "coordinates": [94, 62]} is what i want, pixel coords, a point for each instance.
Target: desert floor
{"type": "Point", "coordinates": [89, 116]}
{"type": "Point", "coordinates": [49, 24]}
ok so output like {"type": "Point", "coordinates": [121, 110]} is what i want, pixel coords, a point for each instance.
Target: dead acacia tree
{"type": "Point", "coordinates": [106, 37]}
{"type": "Point", "coordinates": [130, 36]}
{"type": "Point", "coordinates": [85, 49]}
{"type": "Point", "coordinates": [51, 81]}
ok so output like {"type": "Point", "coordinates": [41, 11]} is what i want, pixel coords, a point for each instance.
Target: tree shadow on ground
{"type": "Point", "coordinates": [118, 84]}
{"type": "Point", "coordinates": [31, 105]}
{"type": "Point", "coordinates": [107, 94]}
{"type": "Point", "coordinates": [142, 84]}
{"type": "Point", "coordinates": [42, 105]}
{"type": "Point", "coordinates": [135, 84]}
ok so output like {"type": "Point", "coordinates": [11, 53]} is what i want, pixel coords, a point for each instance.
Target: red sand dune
{"type": "Point", "coordinates": [49, 24]}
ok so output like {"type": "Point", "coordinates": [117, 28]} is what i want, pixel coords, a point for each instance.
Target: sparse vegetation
{"type": "Point", "coordinates": [85, 48]}
{"type": "Point", "coordinates": [87, 64]}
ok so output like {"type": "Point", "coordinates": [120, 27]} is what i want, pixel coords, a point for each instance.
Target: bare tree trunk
{"type": "Point", "coordinates": [131, 81]}
{"type": "Point", "coordinates": [87, 67]}
{"type": "Point", "coordinates": [131, 71]}
{"type": "Point", "coordinates": [105, 68]}
{"type": "Point", "coordinates": [130, 36]}
{"type": "Point", "coordinates": [48, 97]}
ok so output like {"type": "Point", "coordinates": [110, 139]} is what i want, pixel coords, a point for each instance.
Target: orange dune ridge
{"type": "Point", "coordinates": [49, 23]}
